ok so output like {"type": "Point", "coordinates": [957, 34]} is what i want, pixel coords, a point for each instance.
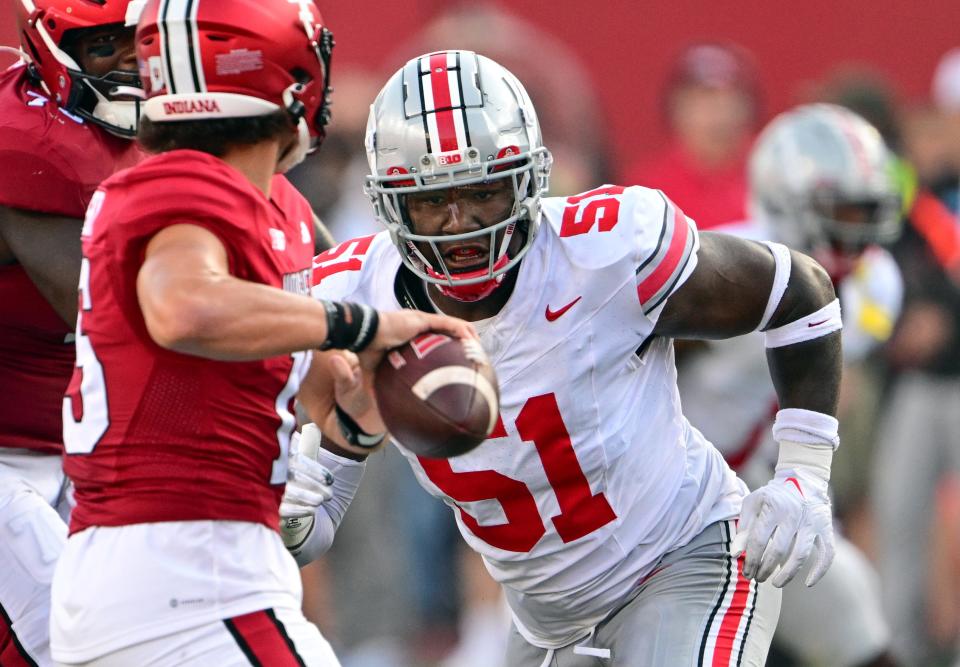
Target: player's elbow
{"type": "Point", "coordinates": [176, 320]}
{"type": "Point", "coordinates": [809, 289]}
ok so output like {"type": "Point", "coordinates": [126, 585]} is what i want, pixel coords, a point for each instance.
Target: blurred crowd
{"type": "Point", "coordinates": [398, 587]}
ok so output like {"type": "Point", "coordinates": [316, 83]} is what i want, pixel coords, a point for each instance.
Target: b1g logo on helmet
{"type": "Point", "coordinates": [445, 159]}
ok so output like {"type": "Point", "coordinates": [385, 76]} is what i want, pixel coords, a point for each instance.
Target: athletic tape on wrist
{"type": "Point", "coordinates": [783, 263]}
{"type": "Point", "coordinates": [809, 327]}
{"type": "Point", "coordinates": [350, 326]}
{"type": "Point", "coordinates": [815, 459]}
{"type": "Point", "coordinates": [342, 468]}
{"type": "Point", "coordinates": [807, 427]}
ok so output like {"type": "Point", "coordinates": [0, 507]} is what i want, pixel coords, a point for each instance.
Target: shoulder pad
{"type": "Point", "coordinates": [602, 226]}
{"type": "Point", "coordinates": [340, 271]}
{"type": "Point", "coordinates": [636, 227]}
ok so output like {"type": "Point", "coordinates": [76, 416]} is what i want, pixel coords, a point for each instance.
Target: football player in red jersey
{"type": "Point", "coordinates": [194, 335]}
{"type": "Point", "coordinates": [65, 124]}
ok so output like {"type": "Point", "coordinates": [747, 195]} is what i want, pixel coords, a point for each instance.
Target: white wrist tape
{"type": "Point", "coordinates": [801, 456]}
{"type": "Point", "coordinates": [343, 469]}
{"type": "Point", "coordinates": [783, 263]}
{"type": "Point", "coordinates": [807, 427]}
{"type": "Point", "coordinates": [347, 474]}
{"type": "Point", "coordinates": [820, 323]}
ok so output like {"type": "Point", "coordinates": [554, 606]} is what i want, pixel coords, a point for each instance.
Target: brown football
{"type": "Point", "coordinates": [438, 395]}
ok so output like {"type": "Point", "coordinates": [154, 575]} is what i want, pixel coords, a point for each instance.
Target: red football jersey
{"type": "Point", "coordinates": [154, 435]}
{"type": "Point", "coordinates": [50, 162]}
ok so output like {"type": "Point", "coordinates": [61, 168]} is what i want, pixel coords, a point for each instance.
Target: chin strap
{"type": "Point", "coordinates": [474, 291]}
{"type": "Point", "coordinates": [298, 151]}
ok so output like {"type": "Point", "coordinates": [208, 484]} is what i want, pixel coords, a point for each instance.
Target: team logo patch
{"type": "Point", "coordinates": [278, 240]}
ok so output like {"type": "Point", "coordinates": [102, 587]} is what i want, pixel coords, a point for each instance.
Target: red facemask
{"type": "Point", "coordinates": [473, 291]}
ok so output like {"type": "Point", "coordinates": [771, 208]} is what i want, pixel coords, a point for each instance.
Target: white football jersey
{"type": "Point", "coordinates": [726, 390]}
{"type": "Point", "coordinates": [592, 473]}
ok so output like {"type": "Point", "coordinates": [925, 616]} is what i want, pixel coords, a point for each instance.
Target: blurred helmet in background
{"type": "Point", "coordinates": [47, 28]}
{"type": "Point", "coordinates": [449, 119]}
{"type": "Point", "coordinates": [821, 177]}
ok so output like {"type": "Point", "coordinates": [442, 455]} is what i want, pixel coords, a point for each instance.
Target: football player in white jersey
{"type": "Point", "coordinates": [608, 519]}
{"type": "Point", "coordinates": [821, 181]}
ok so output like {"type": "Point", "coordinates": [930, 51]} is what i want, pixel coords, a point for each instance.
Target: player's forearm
{"type": "Point", "coordinates": [230, 319]}
{"type": "Point", "coordinates": [48, 249]}
{"type": "Point", "coordinates": [806, 373]}
{"type": "Point", "coordinates": [347, 475]}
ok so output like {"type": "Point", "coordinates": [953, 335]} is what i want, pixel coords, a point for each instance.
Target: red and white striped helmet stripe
{"type": "Point", "coordinates": [440, 87]}
{"type": "Point", "coordinates": [180, 46]}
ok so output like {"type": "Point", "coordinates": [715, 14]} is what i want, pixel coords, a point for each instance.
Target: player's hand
{"type": "Point", "coordinates": [353, 391]}
{"type": "Point", "coordinates": [397, 327]}
{"type": "Point", "coordinates": [309, 484]}
{"type": "Point", "coordinates": [782, 524]}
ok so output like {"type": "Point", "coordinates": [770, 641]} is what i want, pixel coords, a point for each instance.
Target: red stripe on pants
{"type": "Point", "coordinates": [264, 640]}
{"type": "Point", "coordinates": [731, 619]}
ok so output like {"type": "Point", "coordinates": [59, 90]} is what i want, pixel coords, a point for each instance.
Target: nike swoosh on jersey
{"type": "Point", "coordinates": [551, 315]}
{"type": "Point", "coordinates": [816, 324]}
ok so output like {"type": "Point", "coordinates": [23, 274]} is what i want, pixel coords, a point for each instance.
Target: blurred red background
{"type": "Point", "coordinates": [627, 46]}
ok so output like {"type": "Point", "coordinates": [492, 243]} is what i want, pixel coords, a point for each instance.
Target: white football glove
{"type": "Point", "coordinates": [317, 496]}
{"type": "Point", "coordinates": [309, 484]}
{"type": "Point", "coordinates": [783, 522]}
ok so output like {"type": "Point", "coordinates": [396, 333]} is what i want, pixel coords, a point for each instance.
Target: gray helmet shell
{"type": "Point", "coordinates": [448, 119]}
{"type": "Point", "coordinates": [812, 158]}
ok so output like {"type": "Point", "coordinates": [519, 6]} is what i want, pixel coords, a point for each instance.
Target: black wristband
{"type": "Point", "coordinates": [355, 435]}
{"type": "Point", "coordinates": [350, 326]}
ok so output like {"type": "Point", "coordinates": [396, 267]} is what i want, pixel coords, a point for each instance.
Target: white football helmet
{"type": "Point", "coordinates": [449, 119]}
{"type": "Point", "coordinates": [813, 164]}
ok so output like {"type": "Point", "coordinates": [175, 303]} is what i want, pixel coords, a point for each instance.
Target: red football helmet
{"type": "Point", "coordinates": [209, 59]}
{"type": "Point", "coordinates": [108, 101]}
